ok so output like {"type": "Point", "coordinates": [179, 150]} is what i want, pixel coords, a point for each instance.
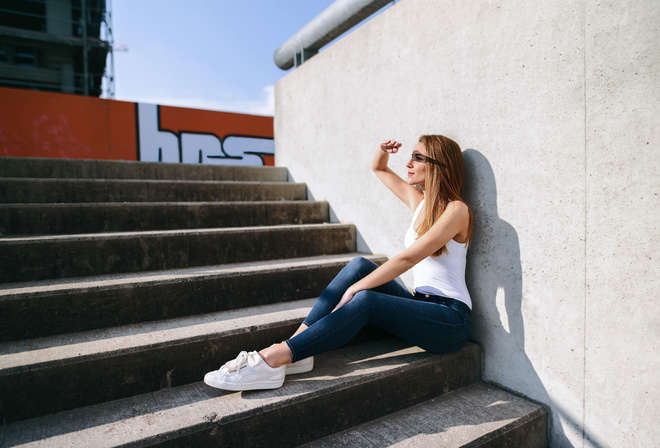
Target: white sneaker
{"type": "Point", "coordinates": [247, 372]}
{"type": "Point", "coordinates": [302, 366]}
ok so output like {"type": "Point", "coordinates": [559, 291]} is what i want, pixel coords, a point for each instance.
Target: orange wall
{"type": "Point", "coordinates": [178, 119]}
{"type": "Point", "coordinates": [42, 124]}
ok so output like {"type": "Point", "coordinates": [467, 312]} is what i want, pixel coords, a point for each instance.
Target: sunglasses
{"type": "Point", "coordinates": [421, 158]}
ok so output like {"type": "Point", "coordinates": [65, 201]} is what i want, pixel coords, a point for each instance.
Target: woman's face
{"type": "Point", "coordinates": [417, 165]}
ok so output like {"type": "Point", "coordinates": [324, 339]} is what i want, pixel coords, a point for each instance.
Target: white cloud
{"type": "Point", "coordinates": [263, 106]}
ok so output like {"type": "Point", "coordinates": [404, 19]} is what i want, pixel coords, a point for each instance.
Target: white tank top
{"type": "Point", "coordinates": [440, 276]}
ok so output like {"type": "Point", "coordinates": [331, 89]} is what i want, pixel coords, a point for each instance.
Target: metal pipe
{"type": "Point", "coordinates": [111, 39]}
{"type": "Point", "coordinates": [336, 19]}
{"type": "Point", "coordinates": [85, 56]}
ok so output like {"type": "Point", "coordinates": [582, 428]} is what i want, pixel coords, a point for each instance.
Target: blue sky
{"type": "Point", "coordinates": [210, 54]}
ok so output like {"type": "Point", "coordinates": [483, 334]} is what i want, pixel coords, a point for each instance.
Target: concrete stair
{"type": "Point", "coordinates": [52, 219]}
{"type": "Point", "coordinates": [124, 282]}
{"type": "Point", "coordinates": [46, 257]}
{"type": "Point", "coordinates": [474, 415]}
{"type": "Point", "coordinates": [18, 190]}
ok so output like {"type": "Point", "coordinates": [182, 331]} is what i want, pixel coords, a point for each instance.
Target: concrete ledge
{"type": "Point", "coordinates": [50, 219]}
{"type": "Point", "coordinates": [347, 387]}
{"type": "Point", "coordinates": [478, 415]}
{"type": "Point", "coordinates": [70, 305]}
{"type": "Point", "coordinates": [16, 191]}
{"type": "Point", "coordinates": [110, 169]}
{"type": "Point", "coordinates": [38, 258]}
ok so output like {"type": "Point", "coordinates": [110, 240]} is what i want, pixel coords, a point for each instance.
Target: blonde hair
{"type": "Point", "coordinates": [442, 182]}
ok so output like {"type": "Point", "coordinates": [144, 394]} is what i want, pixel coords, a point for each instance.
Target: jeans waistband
{"type": "Point", "coordinates": [452, 303]}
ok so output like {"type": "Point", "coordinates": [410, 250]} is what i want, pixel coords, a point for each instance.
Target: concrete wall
{"type": "Point", "coordinates": [556, 106]}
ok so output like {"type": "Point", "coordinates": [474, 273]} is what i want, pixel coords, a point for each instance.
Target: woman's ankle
{"type": "Point", "coordinates": [300, 329]}
{"type": "Point", "coordinates": [277, 355]}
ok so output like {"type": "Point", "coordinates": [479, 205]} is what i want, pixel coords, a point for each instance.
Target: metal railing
{"type": "Point", "coordinates": [334, 21]}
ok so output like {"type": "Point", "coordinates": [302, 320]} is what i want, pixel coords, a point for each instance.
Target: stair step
{"type": "Point", "coordinates": [348, 386]}
{"type": "Point", "coordinates": [37, 258]}
{"type": "Point", "coordinates": [37, 309]}
{"type": "Point", "coordinates": [42, 376]}
{"type": "Point", "coordinates": [20, 190]}
{"type": "Point", "coordinates": [478, 415]}
{"type": "Point", "coordinates": [51, 219]}
{"type": "Point", "coordinates": [112, 169]}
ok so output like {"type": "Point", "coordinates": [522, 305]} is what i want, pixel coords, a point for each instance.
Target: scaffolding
{"type": "Point", "coordinates": [58, 46]}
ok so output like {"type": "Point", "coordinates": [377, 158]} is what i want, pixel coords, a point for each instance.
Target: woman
{"type": "Point", "coordinates": [436, 317]}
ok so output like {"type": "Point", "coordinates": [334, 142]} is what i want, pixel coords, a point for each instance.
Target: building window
{"type": "Point", "coordinates": [25, 56]}
{"type": "Point", "coordinates": [26, 15]}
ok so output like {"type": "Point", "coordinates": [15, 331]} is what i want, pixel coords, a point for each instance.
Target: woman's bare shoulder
{"type": "Point", "coordinates": [457, 207]}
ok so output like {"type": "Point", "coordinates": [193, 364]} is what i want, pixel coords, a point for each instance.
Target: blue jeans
{"type": "Point", "coordinates": [436, 324]}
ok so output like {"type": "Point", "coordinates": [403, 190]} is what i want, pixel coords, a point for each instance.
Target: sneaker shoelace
{"type": "Point", "coordinates": [251, 359]}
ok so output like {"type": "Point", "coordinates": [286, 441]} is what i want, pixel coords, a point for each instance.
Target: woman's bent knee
{"type": "Point", "coordinates": [364, 299]}
{"type": "Point", "coordinates": [362, 265]}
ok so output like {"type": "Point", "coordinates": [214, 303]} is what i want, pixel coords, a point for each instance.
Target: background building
{"type": "Point", "coordinates": [56, 46]}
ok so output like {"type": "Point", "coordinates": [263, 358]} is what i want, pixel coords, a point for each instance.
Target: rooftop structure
{"type": "Point", "coordinates": [57, 46]}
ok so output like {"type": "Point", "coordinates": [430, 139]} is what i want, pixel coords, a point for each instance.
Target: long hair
{"type": "Point", "coordinates": [442, 182]}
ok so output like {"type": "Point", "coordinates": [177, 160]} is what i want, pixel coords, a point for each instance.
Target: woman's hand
{"type": "Point", "coordinates": [409, 194]}
{"type": "Point", "coordinates": [391, 146]}
{"type": "Point", "coordinates": [347, 297]}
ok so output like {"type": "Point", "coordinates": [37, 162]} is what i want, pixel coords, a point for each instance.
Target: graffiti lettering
{"type": "Point", "coordinates": [158, 145]}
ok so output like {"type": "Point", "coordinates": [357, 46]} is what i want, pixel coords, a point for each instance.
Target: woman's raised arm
{"type": "Point", "coordinates": [410, 195]}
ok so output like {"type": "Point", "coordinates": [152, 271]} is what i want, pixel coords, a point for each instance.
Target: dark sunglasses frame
{"type": "Point", "coordinates": [419, 157]}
